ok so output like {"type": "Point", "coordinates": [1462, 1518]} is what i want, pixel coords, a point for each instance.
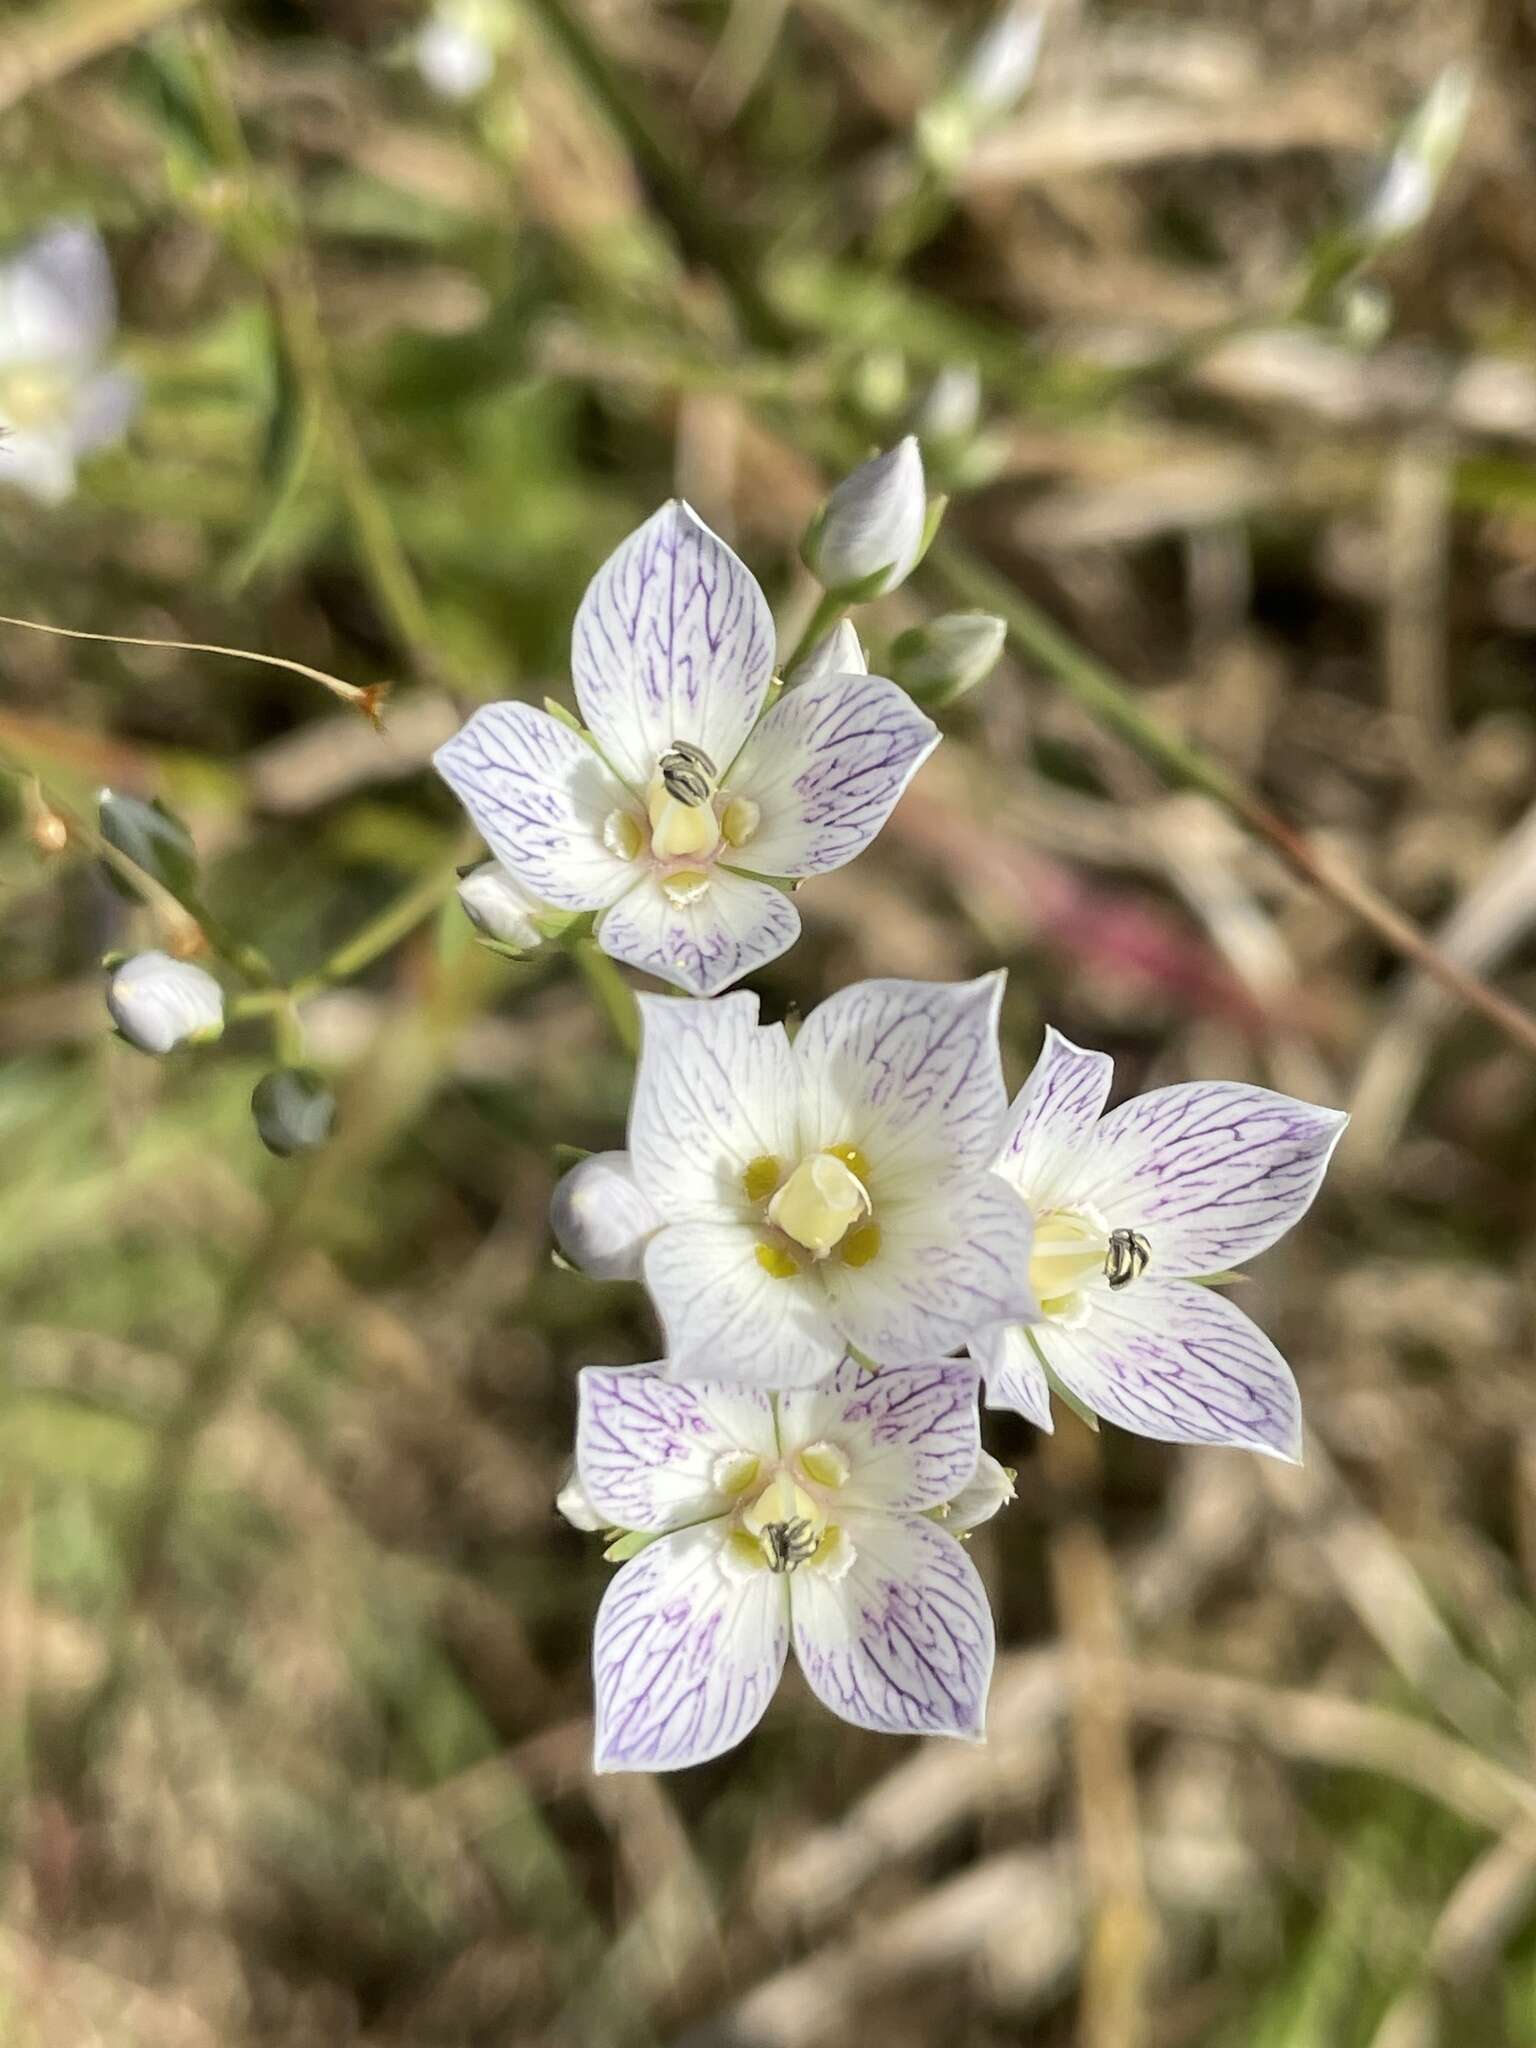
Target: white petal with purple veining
{"type": "Point", "coordinates": [910, 1073]}
{"type": "Point", "coordinates": [649, 1450]}
{"type": "Point", "coordinates": [673, 641]}
{"type": "Point", "coordinates": [1211, 1171]}
{"type": "Point", "coordinates": [684, 1660]}
{"type": "Point", "coordinates": [737, 924]}
{"type": "Point", "coordinates": [945, 1270]}
{"type": "Point", "coordinates": [826, 767]}
{"type": "Point", "coordinates": [714, 1090]}
{"type": "Point", "coordinates": [1014, 1375]}
{"type": "Point", "coordinates": [903, 1643]}
{"type": "Point", "coordinates": [1176, 1361]}
{"type": "Point", "coordinates": [1052, 1116]}
{"type": "Point", "coordinates": [910, 1433]}
{"type": "Point", "coordinates": [538, 794]}
{"type": "Point", "coordinates": [725, 1318]}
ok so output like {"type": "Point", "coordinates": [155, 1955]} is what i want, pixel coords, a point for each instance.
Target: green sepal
{"type": "Point", "coordinates": [630, 1544]}
{"type": "Point", "coordinates": [565, 715]}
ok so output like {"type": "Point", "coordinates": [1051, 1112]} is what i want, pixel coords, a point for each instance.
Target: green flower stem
{"type": "Point", "coordinates": [392, 924]}
{"type": "Point", "coordinates": [613, 994]}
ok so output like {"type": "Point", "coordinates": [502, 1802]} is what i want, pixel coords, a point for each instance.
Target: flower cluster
{"type": "Point", "coordinates": [847, 1233]}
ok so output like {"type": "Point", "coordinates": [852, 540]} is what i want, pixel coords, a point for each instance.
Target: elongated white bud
{"type": "Point", "coordinates": [991, 1488]}
{"type": "Point", "coordinates": [938, 663]}
{"type": "Point", "coordinates": [601, 1220]}
{"type": "Point", "coordinates": [870, 534]}
{"type": "Point", "coordinates": [158, 1003]}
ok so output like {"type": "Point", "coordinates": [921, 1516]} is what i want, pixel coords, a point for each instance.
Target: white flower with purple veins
{"type": "Point", "coordinates": [58, 312]}
{"type": "Point", "coordinates": [1131, 1211]}
{"type": "Point", "coordinates": [806, 1198]}
{"type": "Point", "coordinates": [666, 814]}
{"type": "Point", "coordinates": [799, 1518]}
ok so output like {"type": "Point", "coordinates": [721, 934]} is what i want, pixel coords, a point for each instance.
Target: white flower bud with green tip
{"type": "Point", "coordinates": [991, 1487]}
{"type": "Point", "coordinates": [839, 654]}
{"type": "Point", "coordinates": [1001, 66]}
{"type": "Point", "coordinates": [1408, 181]}
{"type": "Point", "coordinates": [874, 529]}
{"type": "Point", "coordinates": [601, 1220]}
{"type": "Point", "coordinates": [158, 1003]}
{"type": "Point", "coordinates": [938, 663]}
{"type": "Point", "coordinates": [500, 907]}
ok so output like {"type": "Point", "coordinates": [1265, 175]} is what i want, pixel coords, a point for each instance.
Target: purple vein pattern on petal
{"type": "Point", "coordinates": [647, 1448]}
{"type": "Point", "coordinates": [684, 1661]}
{"type": "Point", "coordinates": [725, 1318]}
{"type": "Point", "coordinates": [826, 767]}
{"type": "Point", "coordinates": [737, 925]}
{"type": "Point", "coordinates": [538, 794]}
{"type": "Point", "coordinates": [714, 1090]}
{"type": "Point", "coordinates": [672, 641]}
{"type": "Point", "coordinates": [910, 1433]}
{"type": "Point", "coordinates": [904, 1642]}
{"type": "Point", "coordinates": [946, 1269]}
{"type": "Point", "coordinates": [910, 1073]}
{"type": "Point", "coordinates": [1051, 1117]}
{"type": "Point", "coordinates": [1177, 1361]}
{"type": "Point", "coordinates": [1211, 1171]}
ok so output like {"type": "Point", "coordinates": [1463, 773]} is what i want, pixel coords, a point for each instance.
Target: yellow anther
{"type": "Point", "coordinates": [761, 1176]}
{"type": "Point", "coordinates": [775, 1260]}
{"type": "Point", "coordinates": [622, 834]}
{"type": "Point", "coordinates": [822, 1199]}
{"type": "Point", "coordinates": [860, 1245]}
{"type": "Point", "coordinates": [686, 886]}
{"type": "Point", "coordinates": [853, 1159]}
{"type": "Point", "coordinates": [740, 820]}
{"type": "Point", "coordinates": [826, 1463]}
{"type": "Point", "coordinates": [678, 830]}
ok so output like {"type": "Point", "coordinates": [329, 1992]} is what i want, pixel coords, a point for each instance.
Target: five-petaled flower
{"type": "Point", "coordinates": [668, 812]}
{"type": "Point", "coordinates": [58, 402]}
{"type": "Point", "coordinates": [803, 1516]}
{"type": "Point", "coordinates": [1131, 1211]}
{"type": "Point", "coordinates": [829, 1193]}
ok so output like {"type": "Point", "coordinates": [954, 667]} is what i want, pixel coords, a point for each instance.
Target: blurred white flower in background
{"type": "Point", "coordinates": [456, 46]}
{"type": "Point", "coordinates": [58, 315]}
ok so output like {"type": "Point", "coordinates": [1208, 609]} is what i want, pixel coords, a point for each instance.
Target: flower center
{"type": "Point", "coordinates": [787, 1525]}
{"type": "Point", "coordinates": [33, 395]}
{"type": "Point", "coordinates": [1074, 1247]}
{"type": "Point", "coordinates": [820, 1203]}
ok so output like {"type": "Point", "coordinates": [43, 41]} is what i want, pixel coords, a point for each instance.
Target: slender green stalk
{"type": "Point", "coordinates": [829, 610]}
{"type": "Point", "coordinates": [614, 996]}
{"type": "Point", "coordinates": [392, 924]}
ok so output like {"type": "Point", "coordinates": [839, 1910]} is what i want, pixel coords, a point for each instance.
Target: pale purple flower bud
{"type": "Point", "coordinates": [839, 654]}
{"type": "Point", "coordinates": [938, 663]}
{"type": "Point", "coordinates": [870, 534]}
{"type": "Point", "coordinates": [501, 907]}
{"type": "Point", "coordinates": [601, 1220]}
{"type": "Point", "coordinates": [158, 1003]}
{"type": "Point", "coordinates": [991, 1488]}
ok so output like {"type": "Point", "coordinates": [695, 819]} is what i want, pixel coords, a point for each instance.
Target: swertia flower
{"type": "Point", "coordinates": [668, 811]}
{"type": "Point", "coordinates": [58, 401]}
{"type": "Point", "coordinates": [1131, 1211]}
{"type": "Point", "coordinates": [803, 1517]}
{"type": "Point", "coordinates": [811, 1197]}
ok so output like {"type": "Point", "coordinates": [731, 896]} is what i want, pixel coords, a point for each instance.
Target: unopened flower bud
{"type": "Point", "coordinates": [938, 663]}
{"type": "Point", "coordinates": [1002, 63]}
{"type": "Point", "coordinates": [454, 52]}
{"type": "Point", "coordinates": [991, 1487]}
{"type": "Point", "coordinates": [839, 654]}
{"type": "Point", "coordinates": [577, 1509]}
{"type": "Point", "coordinates": [872, 531]}
{"type": "Point", "coordinates": [158, 1003]}
{"type": "Point", "coordinates": [294, 1110]}
{"type": "Point", "coordinates": [1407, 182]}
{"type": "Point", "coordinates": [152, 837]}
{"type": "Point", "coordinates": [601, 1220]}
{"type": "Point", "coordinates": [501, 907]}
{"type": "Point", "coordinates": [951, 407]}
